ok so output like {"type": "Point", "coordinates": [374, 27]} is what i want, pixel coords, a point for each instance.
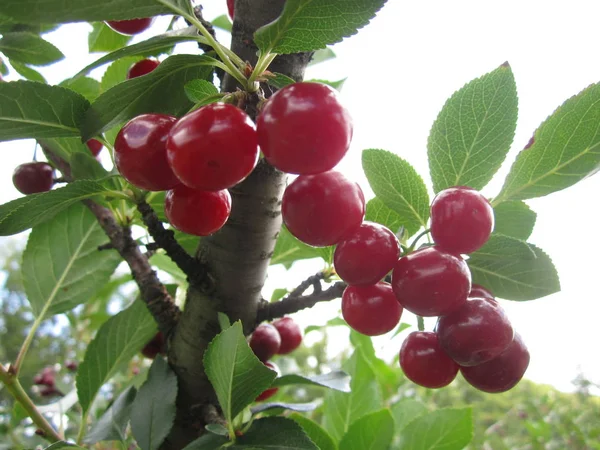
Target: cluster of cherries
{"type": "Point", "coordinates": [46, 379]}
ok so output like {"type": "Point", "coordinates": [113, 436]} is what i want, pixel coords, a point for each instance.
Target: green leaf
{"type": "Point", "coordinates": [217, 428]}
{"type": "Point", "coordinates": [473, 132]}
{"type": "Point", "coordinates": [222, 22]}
{"type": "Point", "coordinates": [379, 213]}
{"type": "Point", "coordinates": [147, 94]}
{"type": "Point", "coordinates": [62, 266]}
{"type": "Point", "coordinates": [117, 72]}
{"type": "Point", "coordinates": [444, 429]}
{"type": "Point", "coordinates": [322, 55]}
{"type": "Point", "coordinates": [306, 25]}
{"type": "Point", "coordinates": [35, 110]}
{"type": "Point", "coordinates": [154, 407]}
{"type": "Point", "coordinates": [86, 167]}
{"type": "Point", "coordinates": [511, 274]}
{"type": "Point", "coordinates": [88, 87]}
{"type": "Point", "coordinates": [27, 72]}
{"type": "Point", "coordinates": [288, 250]}
{"type": "Point", "coordinates": [112, 425]}
{"type": "Point", "coordinates": [64, 147]}
{"type": "Point", "coordinates": [397, 184]}
{"type": "Point", "coordinates": [337, 380]}
{"type": "Point", "coordinates": [157, 201]}
{"type": "Point", "coordinates": [373, 431]}
{"type": "Point", "coordinates": [338, 85]}
{"type": "Point", "coordinates": [278, 294]}
{"type": "Point", "coordinates": [163, 262]}
{"type": "Point", "coordinates": [27, 212]}
{"type": "Point", "coordinates": [64, 11]}
{"type": "Point", "coordinates": [188, 241]}
{"type": "Point", "coordinates": [207, 442]}
{"type": "Point", "coordinates": [224, 322]}
{"type": "Point", "coordinates": [403, 326]}
{"type": "Point", "coordinates": [341, 409]}
{"type": "Point", "coordinates": [280, 80]}
{"type": "Point", "coordinates": [385, 375]}
{"type": "Point", "coordinates": [236, 374]}
{"type": "Point", "coordinates": [315, 432]}
{"type": "Point", "coordinates": [405, 411]}
{"type": "Point", "coordinates": [566, 149]}
{"type": "Point", "coordinates": [299, 407]}
{"type": "Point", "coordinates": [3, 68]}
{"type": "Point", "coordinates": [274, 433]}
{"type": "Point", "coordinates": [117, 341]}
{"type": "Point", "coordinates": [103, 38]}
{"type": "Point", "coordinates": [515, 219]}
{"type": "Point", "coordinates": [29, 48]}
{"type": "Point", "coordinates": [200, 91]}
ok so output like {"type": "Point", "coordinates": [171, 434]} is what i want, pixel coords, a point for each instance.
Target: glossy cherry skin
{"type": "Point", "coordinates": [33, 177]}
{"type": "Point", "coordinates": [155, 346]}
{"type": "Point", "coordinates": [501, 373]}
{"type": "Point", "coordinates": [304, 129]}
{"type": "Point", "coordinates": [291, 335]}
{"type": "Point", "coordinates": [200, 213]}
{"type": "Point", "coordinates": [424, 362]}
{"type": "Point", "coordinates": [213, 147]}
{"type": "Point", "coordinates": [268, 393]}
{"type": "Point", "coordinates": [480, 292]}
{"type": "Point", "coordinates": [143, 67]}
{"type": "Point", "coordinates": [265, 341]}
{"type": "Point", "coordinates": [371, 310]}
{"type": "Point", "coordinates": [323, 209]}
{"type": "Point", "coordinates": [231, 8]}
{"type": "Point", "coordinates": [130, 27]}
{"type": "Point", "coordinates": [476, 332]}
{"type": "Point", "coordinates": [95, 146]}
{"type": "Point", "coordinates": [366, 256]}
{"type": "Point", "coordinates": [141, 152]}
{"type": "Point", "coordinates": [461, 220]}
{"type": "Point", "coordinates": [431, 282]}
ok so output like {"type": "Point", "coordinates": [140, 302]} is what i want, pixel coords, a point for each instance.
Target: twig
{"type": "Point", "coordinates": [314, 281]}
{"type": "Point", "coordinates": [207, 48]}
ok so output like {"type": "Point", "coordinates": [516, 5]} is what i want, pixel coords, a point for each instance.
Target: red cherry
{"type": "Point", "coordinates": [461, 220]}
{"type": "Point", "coordinates": [371, 310]}
{"type": "Point", "coordinates": [155, 346]}
{"type": "Point", "coordinates": [304, 129]}
{"type": "Point", "coordinates": [132, 26]}
{"type": "Point", "coordinates": [366, 256]}
{"type": "Point", "coordinates": [323, 209]}
{"type": "Point", "coordinates": [141, 153]}
{"type": "Point", "coordinates": [213, 148]}
{"type": "Point", "coordinates": [95, 146]}
{"type": "Point", "coordinates": [501, 373]}
{"type": "Point", "coordinates": [424, 362]}
{"type": "Point", "coordinates": [265, 341]}
{"type": "Point", "coordinates": [291, 336]}
{"type": "Point", "coordinates": [71, 365]}
{"type": "Point", "coordinates": [33, 177]}
{"type": "Point", "coordinates": [49, 392]}
{"type": "Point", "coordinates": [231, 8]}
{"type": "Point", "coordinates": [197, 212]}
{"type": "Point", "coordinates": [271, 391]}
{"type": "Point", "coordinates": [481, 292]}
{"type": "Point", "coordinates": [143, 67]}
{"type": "Point", "coordinates": [47, 377]}
{"type": "Point", "coordinates": [431, 282]}
{"type": "Point", "coordinates": [476, 332]}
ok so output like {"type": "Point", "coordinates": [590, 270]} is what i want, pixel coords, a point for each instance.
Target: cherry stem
{"type": "Point", "coordinates": [420, 323]}
{"type": "Point", "coordinates": [264, 60]}
{"type": "Point", "coordinates": [416, 240]}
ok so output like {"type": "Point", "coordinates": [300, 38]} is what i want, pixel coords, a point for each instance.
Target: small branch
{"type": "Point", "coordinates": [314, 281]}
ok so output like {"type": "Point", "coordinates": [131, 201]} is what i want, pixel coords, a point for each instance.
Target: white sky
{"type": "Point", "coordinates": [401, 69]}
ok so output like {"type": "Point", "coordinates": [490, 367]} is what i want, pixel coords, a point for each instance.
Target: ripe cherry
{"type": "Point", "coordinates": [366, 256]}
{"type": "Point", "coordinates": [231, 8]}
{"type": "Point", "coordinates": [461, 220]}
{"type": "Point", "coordinates": [501, 373]}
{"type": "Point", "coordinates": [476, 332]}
{"type": "Point", "coordinates": [265, 341]}
{"type": "Point", "coordinates": [213, 148]}
{"type": "Point", "coordinates": [197, 212]}
{"type": "Point", "coordinates": [304, 129]}
{"type": "Point", "coordinates": [480, 292]}
{"type": "Point", "coordinates": [95, 146]}
{"type": "Point", "coordinates": [431, 282]}
{"type": "Point", "coordinates": [291, 336]}
{"type": "Point", "coordinates": [141, 153]}
{"type": "Point", "coordinates": [71, 365]}
{"type": "Point", "coordinates": [371, 310]}
{"type": "Point", "coordinates": [155, 346]}
{"type": "Point", "coordinates": [33, 177]}
{"type": "Point", "coordinates": [424, 362]}
{"type": "Point", "coordinates": [143, 67]}
{"type": "Point", "coordinates": [268, 393]}
{"type": "Point", "coordinates": [130, 27]}
{"type": "Point", "coordinates": [45, 378]}
{"type": "Point", "coordinates": [323, 209]}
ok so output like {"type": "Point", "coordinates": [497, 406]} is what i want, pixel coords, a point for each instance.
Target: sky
{"type": "Point", "coordinates": [401, 69]}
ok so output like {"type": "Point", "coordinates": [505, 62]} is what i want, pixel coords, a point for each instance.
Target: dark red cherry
{"type": "Point", "coordinates": [33, 177]}
{"type": "Point", "coordinates": [231, 8]}
{"type": "Point", "coordinates": [268, 393]}
{"type": "Point", "coordinates": [291, 335]}
{"type": "Point", "coordinates": [95, 146]}
{"type": "Point", "coordinates": [155, 346]}
{"type": "Point", "coordinates": [130, 27]}
{"type": "Point", "coordinates": [371, 310]}
{"type": "Point", "coordinates": [480, 292]}
{"type": "Point", "coordinates": [143, 67]}
{"type": "Point", "coordinates": [265, 341]}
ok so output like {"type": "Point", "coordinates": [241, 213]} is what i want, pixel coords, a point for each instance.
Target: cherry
{"type": "Point", "coordinates": [268, 393]}
{"type": "Point", "coordinates": [155, 346]}
{"type": "Point", "coordinates": [366, 256]}
{"type": "Point", "coordinates": [476, 332]}
{"type": "Point", "coordinates": [501, 373]}
{"type": "Point", "coordinates": [213, 147]}
{"type": "Point", "coordinates": [197, 212]}
{"type": "Point", "coordinates": [424, 362]}
{"type": "Point", "coordinates": [141, 153]}
{"type": "Point", "coordinates": [304, 129]}
{"type": "Point", "coordinates": [461, 220]}
{"type": "Point", "coordinates": [48, 391]}
{"type": "Point", "coordinates": [71, 366]}
{"type": "Point", "coordinates": [480, 292]}
{"type": "Point", "coordinates": [371, 310]}
{"type": "Point", "coordinates": [33, 177]}
{"type": "Point", "coordinates": [95, 146]}
{"type": "Point", "coordinates": [265, 341]}
{"type": "Point", "coordinates": [45, 378]}
{"type": "Point", "coordinates": [231, 8]}
{"type": "Point", "coordinates": [143, 67]}
{"type": "Point", "coordinates": [291, 336]}
{"type": "Point", "coordinates": [323, 209]}
{"type": "Point", "coordinates": [431, 282]}
{"type": "Point", "coordinates": [132, 26]}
